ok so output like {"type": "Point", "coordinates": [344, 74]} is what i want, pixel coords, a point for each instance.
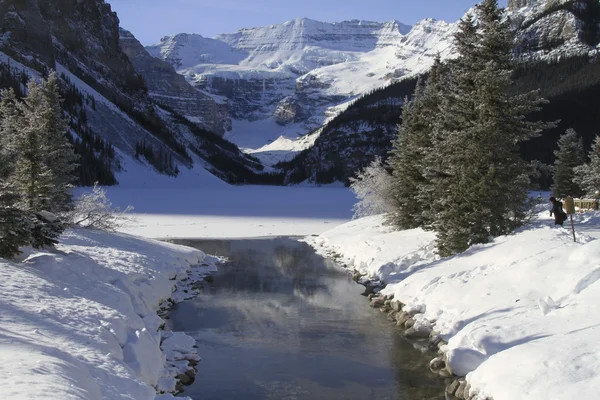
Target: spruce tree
{"type": "Point", "coordinates": [410, 152]}
{"type": "Point", "coordinates": [431, 168]}
{"type": "Point", "coordinates": [569, 156]}
{"type": "Point", "coordinates": [60, 158]}
{"type": "Point", "coordinates": [32, 171]}
{"type": "Point", "coordinates": [405, 161]}
{"type": "Point", "coordinates": [15, 224]}
{"type": "Point", "coordinates": [485, 188]}
{"type": "Point", "coordinates": [45, 166]}
{"type": "Point", "coordinates": [587, 176]}
{"type": "Point", "coordinates": [447, 159]}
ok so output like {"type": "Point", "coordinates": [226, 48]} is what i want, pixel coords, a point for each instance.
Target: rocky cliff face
{"type": "Point", "coordinates": [81, 35]}
{"type": "Point", "coordinates": [299, 34]}
{"type": "Point", "coordinates": [168, 87]}
{"type": "Point", "coordinates": [109, 98]}
{"type": "Point", "coordinates": [514, 4]}
{"type": "Point", "coordinates": [292, 73]}
{"type": "Point", "coordinates": [550, 29]}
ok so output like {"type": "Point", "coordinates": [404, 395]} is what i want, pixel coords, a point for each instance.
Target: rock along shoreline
{"type": "Point", "coordinates": [179, 348]}
{"type": "Point", "coordinates": [417, 330]}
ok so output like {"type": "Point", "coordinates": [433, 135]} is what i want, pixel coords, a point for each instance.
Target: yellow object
{"type": "Point", "coordinates": [570, 205]}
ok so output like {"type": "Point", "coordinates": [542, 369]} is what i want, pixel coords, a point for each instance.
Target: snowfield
{"type": "Point", "coordinates": [80, 321]}
{"type": "Point", "coordinates": [519, 314]}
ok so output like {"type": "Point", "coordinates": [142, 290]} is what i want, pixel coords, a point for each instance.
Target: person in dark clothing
{"type": "Point", "coordinates": [557, 209]}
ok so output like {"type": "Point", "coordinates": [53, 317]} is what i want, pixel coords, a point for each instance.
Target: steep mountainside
{"type": "Point", "coordinates": [107, 100]}
{"type": "Point", "coordinates": [557, 44]}
{"type": "Point", "coordinates": [286, 79]}
{"type": "Point", "coordinates": [168, 87]}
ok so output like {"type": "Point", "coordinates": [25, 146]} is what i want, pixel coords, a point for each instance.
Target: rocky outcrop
{"type": "Point", "coordinates": [248, 97]}
{"type": "Point", "coordinates": [514, 4]}
{"type": "Point", "coordinates": [168, 87]}
{"type": "Point", "coordinates": [107, 97]}
{"type": "Point", "coordinates": [287, 111]}
{"type": "Point", "coordinates": [81, 35]}
{"type": "Point", "coordinates": [301, 33]}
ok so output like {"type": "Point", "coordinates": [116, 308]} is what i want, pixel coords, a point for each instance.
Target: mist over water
{"type": "Point", "coordinates": [281, 322]}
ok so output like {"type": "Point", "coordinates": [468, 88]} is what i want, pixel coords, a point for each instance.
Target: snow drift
{"type": "Point", "coordinates": [80, 322]}
{"type": "Point", "coordinates": [518, 313]}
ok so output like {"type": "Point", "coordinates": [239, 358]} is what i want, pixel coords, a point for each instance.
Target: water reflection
{"type": "Point", "coordinates": [281, 322]}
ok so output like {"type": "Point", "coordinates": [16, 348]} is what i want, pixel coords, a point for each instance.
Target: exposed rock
{"type": "Point", "coordinates": [453, 387]}
{"type": "Point", "coordinates": [462, 392]}
{"type": "Point", "coordinates": [168, 87]}
{"type": "Point", "coordinates": [437, 364]}
{"type": "Point", "coordinates": [401, 318]}
{"type": "Point", "coordinates": [184, 379]}
{"type": "Point", "coordinates": [514, 4]}
{"type": "Point", "coordinates": [397, 305]}
{"type": "Point", "coordinates": [416, 333]}
{"type": "Point", "coordinates": [377, 302]}
{"type": "Point", "coordinates": [287, 111]}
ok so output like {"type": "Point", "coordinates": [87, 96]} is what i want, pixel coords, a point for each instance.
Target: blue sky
{"type": "Point", "coordinates": [149, 20]}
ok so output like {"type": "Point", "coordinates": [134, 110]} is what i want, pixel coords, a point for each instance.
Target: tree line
{"type": "Point", "coordinates": [575, 174]}
{"type": "Point", "coordinates": [455, 164]}
{"type": "Point", "coordinates": [37, 165]}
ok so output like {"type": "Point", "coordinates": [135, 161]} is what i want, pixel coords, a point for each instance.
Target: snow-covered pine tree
{"type": "Point", "coordinates": [44, 163]}
{"type": "Point", "coordinates": [15, 224]}
{"type": "Point", "coordinates": [587, 176]}
{"type": "Point", "coordinates": [486, 188]}
{"type": "Point", "coordinates": [32, 173]}
{"type": "Point", "coordinates": [570, 154]}
{"type": "Point", "coordinates": [60, 158]}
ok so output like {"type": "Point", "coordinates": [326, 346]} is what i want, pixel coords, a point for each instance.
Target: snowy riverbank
{"type": "Point", "coordinates": [80, 322]}
{"type": "Point", "coordinates": [519, 314]}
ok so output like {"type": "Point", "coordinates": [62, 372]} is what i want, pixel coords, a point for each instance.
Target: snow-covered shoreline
{"type": "Point", "coordinates": [514, 315]}
{"type": "Point", "coordinates": [80, 321]}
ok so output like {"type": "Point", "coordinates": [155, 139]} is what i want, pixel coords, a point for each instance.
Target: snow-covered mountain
{"type": "Point", "coordinates": [116, 95]}
{"type": "Point", "coordinates": [284, 79]}
{"type": "Point", "coordinates": [558, 42]}
{"type": "Point", "coordinates": [291, 78]}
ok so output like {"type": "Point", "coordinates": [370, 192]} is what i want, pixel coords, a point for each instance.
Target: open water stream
{"type": "Point", "coordinates": [281, 322]}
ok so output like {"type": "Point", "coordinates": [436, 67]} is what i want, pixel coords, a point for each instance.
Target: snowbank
{"type": "Point", "coordinates": [519, 314]}
{"type": "Point", "coordinates": [80, 322]}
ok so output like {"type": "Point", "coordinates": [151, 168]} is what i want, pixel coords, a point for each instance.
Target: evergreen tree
{"type": "Point", "coordinates": [44, 168]}
{"type": "Point", "coordinates": [405, 162]}
{"type": "Point", "coordinates": [32, 172]}
{"type": "Point", "coordinates": [431, 168]}
{"type": "Point", "coordinates": [448, 157]}
{"type": "Point", "coordinates": [485, 187]}
{"type": "Point", "coordinates": [587, 176]}
{"type": "Point", "coordinates": [15, 225]}
{"type": "Point", "coordinates": [60, 158]}
{"type": "Point", "coordinates": [568, 156]}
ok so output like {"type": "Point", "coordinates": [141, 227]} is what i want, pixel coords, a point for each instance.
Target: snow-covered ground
{"type": "Point", "coordinates": [519, 314]}
{"type": "Point", "coordinates": [80, 321]}
{"type": "Point", "coordinates": [204, 207]}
